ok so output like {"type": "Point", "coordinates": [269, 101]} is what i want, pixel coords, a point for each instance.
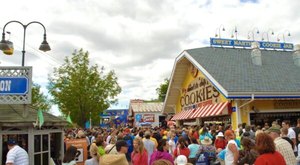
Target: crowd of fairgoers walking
{"type": "Point", "coordinates": [202, 145]}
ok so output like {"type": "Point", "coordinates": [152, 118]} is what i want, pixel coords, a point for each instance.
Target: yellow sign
{"type": "Point", "coordinates": [198, 91]}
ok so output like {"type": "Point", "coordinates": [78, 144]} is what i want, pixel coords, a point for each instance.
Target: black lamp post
{"type": "Point", "coordinates": [5, 45]}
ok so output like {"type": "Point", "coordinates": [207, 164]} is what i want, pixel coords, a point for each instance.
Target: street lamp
{"type": "Point", "coordinates": [4, 44]}
{"type": "Point", "coordinates": [234, 31]}
{"type": "Point", "coordinates": [267, 33]}
{"type": "Point", "coordinates": [253, 32]}
{"type": "Point", "coordinates": [219, 29]}
{"type": "Point", "coordinates": [288, 34]}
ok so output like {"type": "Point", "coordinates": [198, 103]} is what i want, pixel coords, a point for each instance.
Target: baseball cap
{"type": "Point", "coordinates": [181, 160]}
{"type": "Point", "coordinates": [11, 142]}
{"type": "Point", "coordinates": [274, 129]}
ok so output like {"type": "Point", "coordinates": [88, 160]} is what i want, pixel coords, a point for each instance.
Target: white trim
{"type": "Point", "coordinates": [171, 83]}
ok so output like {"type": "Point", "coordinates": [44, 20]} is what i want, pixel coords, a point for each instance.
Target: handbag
{"type": "Point", "coordinates": [111, 149]}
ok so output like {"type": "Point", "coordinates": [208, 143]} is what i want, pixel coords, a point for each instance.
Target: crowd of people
{"type": "Point", "coordinates": [203, 145]}
{"type": "Point", "coordinates": [209, 144]}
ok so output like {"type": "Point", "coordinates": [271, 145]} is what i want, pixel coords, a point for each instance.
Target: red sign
{"type": "Point", "coordinates": [148, 118]}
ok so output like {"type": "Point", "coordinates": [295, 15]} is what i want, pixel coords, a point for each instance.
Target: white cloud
{"type": "Point", "coordinates": [139, 39]}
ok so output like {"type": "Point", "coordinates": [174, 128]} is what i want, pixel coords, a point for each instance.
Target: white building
{"type": "Point", "coordinates": [143, 113]}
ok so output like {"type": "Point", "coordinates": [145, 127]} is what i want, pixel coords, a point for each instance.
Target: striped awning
{"type": "Point", "coordinates": [185, 114]}
{"type": "Point", "coordinates": [211, 110]}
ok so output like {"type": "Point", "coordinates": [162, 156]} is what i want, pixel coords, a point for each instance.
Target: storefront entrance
{"type": "Point", "coordinates": [262, 118]}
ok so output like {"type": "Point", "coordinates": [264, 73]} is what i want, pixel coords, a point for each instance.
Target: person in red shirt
{"type": "Point", "coordinates": [181, 148]}
{"type": "Point", "coordinates": [220, 142]}
{"type": "Point", "coordinates": [195, 133]}
{"type": "Point", "coordinates": [266, 148]}
{"type": "Point", "coordinates": [139, 156]}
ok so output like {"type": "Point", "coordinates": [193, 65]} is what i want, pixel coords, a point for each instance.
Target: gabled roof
{"type": "Point", "coordinates": [232, 72]}
{"type": "Point", "coordinates": [146, 107]}
{"type": "Point", "coordinates": [13, 115]}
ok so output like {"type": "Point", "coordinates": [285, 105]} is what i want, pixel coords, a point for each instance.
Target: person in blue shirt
{"type": "Point", "coordinates": [194, 147]}
{"type": "Point", "coordinates": [205, 133]}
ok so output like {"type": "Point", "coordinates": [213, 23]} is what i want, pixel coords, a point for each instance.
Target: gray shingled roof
{"type": "Point", "coordinates": [234, 71]}
{"type": "Point", "coordinates": [13, 114]}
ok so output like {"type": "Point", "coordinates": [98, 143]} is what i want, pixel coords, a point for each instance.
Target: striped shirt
{"type": "Point", "coordinates": [17, 156]}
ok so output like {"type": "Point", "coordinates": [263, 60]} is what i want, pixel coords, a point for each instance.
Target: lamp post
{"type": "Point", "coordinates": [253, 32]}
{"type": "Point", "coordinates": [272, 33]}
{"type": "Point", "coordinates": [234, 31]}
{"type": "Point", "coordinates": [219, 29]}
{"type": "Point", "coordinates": [4, 44]}
{"type": "Point", "coordinates": [288, 34]}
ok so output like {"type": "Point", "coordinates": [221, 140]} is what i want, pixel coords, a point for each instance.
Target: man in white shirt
{"type": "Point", "coordinates": [16, 155]}
{"type": "Point", "coordinates": [291, 133]}
{"type": "Point", "coordinates": [149, 144]}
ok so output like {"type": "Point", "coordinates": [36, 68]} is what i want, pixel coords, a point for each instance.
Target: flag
{"type": "Point", "coordinates": [69, 118]}
{"type": "Point", "coordinates": [87, 124]}
{"type": "Point", "coordinates": [40, 118]}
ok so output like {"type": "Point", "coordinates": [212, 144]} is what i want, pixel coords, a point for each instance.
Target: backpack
{"type": "Point", "coordinates": [203, 159]}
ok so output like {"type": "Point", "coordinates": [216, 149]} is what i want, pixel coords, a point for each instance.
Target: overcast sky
{"type": "Point", "coordinates": [139, 39]}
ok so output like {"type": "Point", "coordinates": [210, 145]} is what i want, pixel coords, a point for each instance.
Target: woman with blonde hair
{"type": "Point", "coordinates": [94, 154]}
{"type": "Point", "coordinates": [139, 156]}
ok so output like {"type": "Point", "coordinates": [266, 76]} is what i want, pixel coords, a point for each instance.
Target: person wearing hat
{"type": "Point", "coordinates": [220, 142]}
{"type": "Point", "coordinates": [16, 155]}
{"type": "Point", "coordinates": [116, 159]}
{"type": "Point", "coordinates": [181, 160]}
{"type": "Point", "coordinates": [282, 146]}
{"type": "Point", "coordinates": [208, 148]}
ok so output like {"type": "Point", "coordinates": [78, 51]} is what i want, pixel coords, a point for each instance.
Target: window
{"type": "Point", "coordinates": [41, 149]}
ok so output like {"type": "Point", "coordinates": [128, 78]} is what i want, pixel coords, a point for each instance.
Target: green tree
{"type": "Point", "coordinates": [39, 100]}
{"type": "Point", "coordinates": [162, 90]}
{"type": "Point", "coordinates": [81, 89]}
